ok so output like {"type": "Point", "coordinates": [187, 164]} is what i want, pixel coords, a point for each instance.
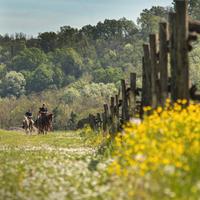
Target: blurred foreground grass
{"type": "Point", "coordinates": [54, 166]}
{"type": "Point", "coordinates": [158, 159]}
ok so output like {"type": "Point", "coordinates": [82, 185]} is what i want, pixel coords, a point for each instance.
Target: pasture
{"type": "Point", "coordinates": [54, 166]}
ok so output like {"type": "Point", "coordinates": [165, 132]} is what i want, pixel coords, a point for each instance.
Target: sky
{"type": "Point", "coordinates": [34, 16]}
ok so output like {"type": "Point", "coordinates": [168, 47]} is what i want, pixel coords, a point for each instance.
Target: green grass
{"type": "Point", "coordinates": [54, 166]}
{"type": "Point", "coordinates": [57, 139]}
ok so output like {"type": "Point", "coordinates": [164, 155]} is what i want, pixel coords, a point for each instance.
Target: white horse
{"type": "Point", "coordinates": [28, 125]}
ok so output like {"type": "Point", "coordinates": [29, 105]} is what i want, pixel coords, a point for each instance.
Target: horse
{"type": "Point", "coordinates": [44, 123]}
{"type": "Point", "coordinates": [27, 125]}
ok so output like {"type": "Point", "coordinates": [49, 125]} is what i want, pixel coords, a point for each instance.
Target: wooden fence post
{"type": "Point", "coordinates": [112, 115]}
{"type": "Point", "coordinates": [99, 120]}
{"type": "Point", "coordinates": [173, 50]}
{"type": "Point", "coordinates": [105, 118]}
{"type": "Point", "coordinates": [125, 114]}
{"type": "Point", "coordinates": [117, 106]}
{"type": "Point", "coordinates": [117, 112]}
{"type": "Point", "coordinates": [182, 72]}
{"type": "Point", "coordinates": [132, 96]}
{"type": "Point", "coordinates": [147, 82]}
{"type": "Point", "coordinates": [154, 70]}
{"type": "Point", "coordinates": [163, 62]}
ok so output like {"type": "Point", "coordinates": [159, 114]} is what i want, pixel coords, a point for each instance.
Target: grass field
{"type": "Point", "coordinates": [158, 159]}
{"type": "Point", "coordinates": [54, 166]}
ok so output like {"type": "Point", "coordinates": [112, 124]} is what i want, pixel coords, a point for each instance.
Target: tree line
{"type": "Point", "coordinates": [99, 54]}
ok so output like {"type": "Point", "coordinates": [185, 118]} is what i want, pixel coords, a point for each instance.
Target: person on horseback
{"type": "Point", "coordinates": [44, 120]}
{"type": "Point", "coordinates": [28, 121]}
{"type": "Point", "coordinates": [43, 110]}
{"type": "Point", "coordinates": [29, 114]}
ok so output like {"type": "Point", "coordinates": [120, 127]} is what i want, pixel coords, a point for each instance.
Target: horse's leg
{"type": "Point", "coordinates": [26, 130]}
{"type": "Point", "coordinates": [31, 127]}
{"type": "Point", "coordinates": [46, 129]}
{"type": "Point", "coordinates": [39, 130]}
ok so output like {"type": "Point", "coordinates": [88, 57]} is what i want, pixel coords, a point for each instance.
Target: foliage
{"type": "Point", "coordinates": [162, 153]}
{"type": "Point", "coordinates": [69, 60]}
{"type": "Point", "coordinates": [28, 59]}
{"type": "Point", "coordinates": [73, 54]}
{"type": "Point", "coordinates": [80, 98]}
{"type": "Point", "coordinates": [108, 75]}
{"type": "Point", "coordinates": [13, 84]}
{"type": "Point", "coordinates": [195, 67]}
{"type": "Point", "coordinates": [194, 8]}
{"type": "Point", "coordinates": [149, 19]}
{"type": "Point", "coordinates": [41, 78]}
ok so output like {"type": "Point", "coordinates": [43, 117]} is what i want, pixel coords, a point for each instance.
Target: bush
{"type": "Point", "coordinates": [162, 153]}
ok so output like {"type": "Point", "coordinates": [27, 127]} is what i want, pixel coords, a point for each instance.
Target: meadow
{"type": "Point", "coordinates": [54, 166]}
{"type": "Point", "coordinates": [157, 159]}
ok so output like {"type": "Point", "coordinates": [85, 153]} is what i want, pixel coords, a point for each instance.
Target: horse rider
{"type": "Point", "coordinates": [43, 110]}
{"type": "Point", "coordinates": [28, 119]}
{"type": "Point", "coordinates": [29, 114]}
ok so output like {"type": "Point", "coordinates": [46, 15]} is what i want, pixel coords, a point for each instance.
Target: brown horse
{"type": "Point", "coordinates": [27, 125]}
{"type": "Point", "coordinates": [44, 123]}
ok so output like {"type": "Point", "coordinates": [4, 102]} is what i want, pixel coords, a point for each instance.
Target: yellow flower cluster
{"type": "Point", "coordinates": [167, 143]}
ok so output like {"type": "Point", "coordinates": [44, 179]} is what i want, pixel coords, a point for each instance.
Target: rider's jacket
{"type": "Point", "coordinates": [43, 110]}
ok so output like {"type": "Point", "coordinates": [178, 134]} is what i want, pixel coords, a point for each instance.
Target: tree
{"type": "Point", "coordinates": [194, 9]}
{"type": "Point", "coordinates": [70, 95]}
{"type": "Point", "coordinates": [41, 79]}
{"type": "Point", "coordinates": [68, 60]}
{"type": "Point", "coordinates": [150, 18]}
{"type": "Point", "coordinates": [67, 36]}
{"type": "Point", "coordinates": [3, 71]}
{"type": "Point", "coordinates": [28, 59]}
{"type": "Point", "coordinates": [47, 41]}
{"type": "Point", "coordinates": [109, 75]}
{"type": "Point", "coordinates": [13, 84]}
{"type": "Point", "coordinates": [5, 55]}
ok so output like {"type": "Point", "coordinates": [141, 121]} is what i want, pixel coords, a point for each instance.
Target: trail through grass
{"type": "Point", "coordinates": [54, 166]}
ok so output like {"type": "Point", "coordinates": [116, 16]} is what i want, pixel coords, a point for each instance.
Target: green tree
{"type": "Point", "coordinates": [28, 59]}
{"type": "Point", "coordinates": [47, 41]}
{"type": "Point", "coordinates": [67, 36]}
{"type": "Point", "coordinates": [68, 60]}
{"type": "Point", "coordinates": [3, 71]}
{"type": "Point", "coordinates": [109, 75]}
{"type": "Point", "coordinates": [150, 18]}
{"type": "Point", "coordinates": [13, 84]}
{"type": "Point", "coordinates": [41, 79]}
{"type": "Point", "coordinates": [70, 95]}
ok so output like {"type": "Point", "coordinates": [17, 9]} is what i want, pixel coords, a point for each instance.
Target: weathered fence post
{"type": "Point", "coordinates": [154, 70]}
{"type": "Point", "coordinates": [132, 95]}
{"type": "Point", "coordinates": [112, 115]}
{"type": "Point", "coordinates": [125, 113]}
{"type": "Point", "coordinates": [182, 72]}
{"type": "Point", "coordinates": [163, 61]}
{"type": "Point", "coordinates": [147, 79]}
{"type": "Point", "coordinates": [99, 120]}
{"type": "Point", "coordinates": [173, 50]}
{"type": "Point", "coordinates": [105, 119]}
{"type": "Point", "coordinates": [117, 106]}
{"type": "Point", "coordinates": [117, 115]}
{"type": "Point", "coordinates": [144, 99]}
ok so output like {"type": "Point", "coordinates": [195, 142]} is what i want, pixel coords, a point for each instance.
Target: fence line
{"type": "Point", "coordinates": [174, 41]}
